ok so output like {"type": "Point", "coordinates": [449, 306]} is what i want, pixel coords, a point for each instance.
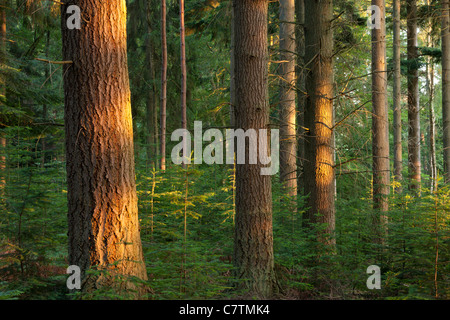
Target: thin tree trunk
{"type": "Point", "coordinates": [162, 135]}
{"type": "Point", "coordinates": [152, 108]}
{"type": "Point", "coordinates": [183, 75]}
{"type": "Point", "coordinates": [397, 96]}
{"type": "Point", "coordinates": [232, 80]}
{"type": "Point", "coordinates": [102, 202]}
{"type": "Point", "coordinates": [300, 48]}
{"type": "Point", "coordinates": [432, 126]}
{"type": "Point", "coordinates": [319, 165]}
{"type": "Point", "coordinates": [445, 41]}
{"type": "Point", "coordinates": [432, 133]}
{"type": "Point", "coordinates": [380, 120]}
{"type": "Point", "coordinates": [414, 165]}
{"type": "Point", "coordinates": [2, 98]}
{"type": "Point", "coordinates": [253, 247]}
{"type": "Point", "coordinates": [288, 147]}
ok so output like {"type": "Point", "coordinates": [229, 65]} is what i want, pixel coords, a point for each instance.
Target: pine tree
{"type": "Point", "coordinates": [253, 247]}
{"type": "Point", "coordinates": [102, 202]}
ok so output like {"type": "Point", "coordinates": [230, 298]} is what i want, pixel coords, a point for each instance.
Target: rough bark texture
{"type": "Point", "coordinates": [102, 202]}
{"type": "Point", "coordinates": [414, 166]}
{"type": "Point", "coordinates": [300, 49]}
{"type": "Point", "coordinates": [253, 252]}
{"type": "Point", "coordinates": [288, 146]}
{"type": "Point", "coordinates": [319, 152]}
{"type": "Point", "coordinates": [380, 120]}
{"type": "Point", "coordinates": [397, 96]}
{"type": "Point", "coordinates": [162, 111]}
{"type": "Point", "coordinates": [445, 40]}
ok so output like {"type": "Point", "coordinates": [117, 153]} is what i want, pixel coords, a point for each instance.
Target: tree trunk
{"type": "Point", "coordinates": [300, 48]}
{"type": "Point", "coordinates": [432, 132]}
{"type": "Point", "coordinates": [253, 248]}
{"type": "Point", "coordinates": [319, 152]}
{"type": "Point", "coordinates": [380, 120]}
{"type": "Point", "coordinates": [397, 96]}
{"type": "Point", "coordinates": [413, 99]}
{"type": "Point", "coordinates": [102, 202]}
{"type": "Point", "coordinates": [232, 80]}
{"type": "Point", "coordinates": [152, 108]}
{"type": "Point", "coordinates": [288, 147]}
{"type": "Point", "coordinates": [2, 98]}
{"type": "Point", "coordinates": [162, 135]}
{"type": "Point", "coordinates": [183, 75]}
{"type": "Point", "coordinates": [445, 40]}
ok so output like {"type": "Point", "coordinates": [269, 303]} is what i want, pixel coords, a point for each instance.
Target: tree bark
{"type": "Point", "coordinates": [183, 75]}
{"type": "Point", "coordinates": [152, 108]}
{"type": "Point", "coordinates": [445, 41]}
{"type": "Point", "coordinates": [319, 152]}
{"type": "Point", "coordinates": [300, 85]}
{"type": "Point", "coordinates": [162, 121]}
{"type": "Point", "coordinates": [414, 166]}
{"type": "Point", "coordinates": [102, 202]}
{"type": "Point", "coordinates": [2, 98]}
{"type": "Point", "coordinates": [432, 119]}
{"type": "Point", "coordinates": [397, 96]}
{"type": "Point", "coordinates": [380, 120]}
{"type": "Point", "coordinates": [232, 79]}
{"type": "Point", "coordinates": [253, 248]}
{"type": "Point", "coordinates": [288, 147]}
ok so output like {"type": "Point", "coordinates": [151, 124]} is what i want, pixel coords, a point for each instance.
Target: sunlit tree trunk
{"type": "Point", "coordinates": [380, 119]}
{"type": "Point", "coordinates": [397, 96]}
{"type": "Point", "coordinates": [102, 202]}
{"type": "Point", "coordinates": [288, 147]}
{"type": "Point", "coordinates": [432, 119]}
{"type": "Point", "coordinates": [253, 248]}
{"type": "Point", "coordinates": [445, 41]}
{"type": "Point", "coordinates": [414, 166]}
{"type": "Point", "coordinates": [163, 104]}
{"type": "Point", "coordinates": [319, 152]}
{"type": "Point", "coordinates": [300, 86]}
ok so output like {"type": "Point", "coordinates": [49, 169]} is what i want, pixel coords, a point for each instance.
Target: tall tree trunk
{"type": "Point", "coordinates": [288, 146]}
{"type": "Point", "coordinates": [163, 104]}
{"type": "Point", "coordinates": [232, 77]}
{"type": "Point", "coordinates": [319, 165]}
{"type": "Point", "coordinates": [414, 166]}
{"type": "Point", "coordinates": [152, 108]}
{"type": "Point", "coordinates": [380, 119]}
{"type": "Point", "coordinates": [432, 130]}
{"type": "Point", "coordinates": [102, 202]}
{"type": "Point", "coordinates": [300, 49]}
{"type": "Point", "coordinates": [2, 98]}
{"type": "Point", "coordinates": [397, 97]}
{"type": "Point", "coordinates": [253, 247]}
{"type": "Point", "coordinates": [445, 40]}
{"type": "Point", "coordinates": [183, 75]}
